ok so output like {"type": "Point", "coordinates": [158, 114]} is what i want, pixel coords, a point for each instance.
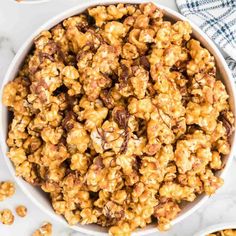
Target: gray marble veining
{"type": "Point", "coordinates": [5, 42]}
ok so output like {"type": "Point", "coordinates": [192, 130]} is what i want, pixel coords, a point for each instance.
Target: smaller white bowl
{"type": "Point", "coordinates": [31, 1]}
{"type": "Point", "coordinates": [214, 228]}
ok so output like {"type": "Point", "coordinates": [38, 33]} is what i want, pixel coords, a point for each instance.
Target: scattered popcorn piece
{"type": "Point", "coordinates": [44, 230]}
{"type": "Point", "coordinates": [7, 189]}
{"type": "Point", "coordinates": [21, 210]}
{"type": "Point", "coordinates": [6, 217]}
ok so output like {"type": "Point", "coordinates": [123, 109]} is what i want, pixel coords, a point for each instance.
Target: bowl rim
{"type": "Point", "coordinates": [217, 227]}
{"type": "Point", "coordinates": [48, 25]}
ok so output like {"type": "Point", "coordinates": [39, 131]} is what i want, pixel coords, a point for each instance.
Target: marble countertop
{"type": "Point", "coordinates": [17, 22]}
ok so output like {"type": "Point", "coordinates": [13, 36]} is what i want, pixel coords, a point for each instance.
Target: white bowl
{"type": "Point", "coordinates": [35, 194]}
{"type": "Point", "coordinates": [31, 1]}
{"type": "Point", "coordinates": [215, 228]}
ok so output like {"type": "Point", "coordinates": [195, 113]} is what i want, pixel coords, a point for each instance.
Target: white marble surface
{"type": "Point", "coordinates": [17, 22]}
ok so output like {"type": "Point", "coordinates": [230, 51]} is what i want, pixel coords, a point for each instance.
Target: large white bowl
{"type": "Point", "coordinates": [35, 194]}
{"type": "Point", "coordinates": [214, 228]}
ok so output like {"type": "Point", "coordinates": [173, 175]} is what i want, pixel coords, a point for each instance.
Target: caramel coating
{"type": "Point", "coordinates": [119, 117]}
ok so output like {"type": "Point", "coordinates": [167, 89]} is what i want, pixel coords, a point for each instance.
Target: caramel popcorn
{"type": "Point", "coordinates": [44, 230]}
{"type": "Point", "coordinates": [7, 189]}
{"type": "Point", "coordinates": [6, 217]}
{"type": "Point", "coordinates": [226, 232]}
{"type": "Point", "coordinates": [118, 116]}
{"type": "Point", "coordinates": [21, 211]}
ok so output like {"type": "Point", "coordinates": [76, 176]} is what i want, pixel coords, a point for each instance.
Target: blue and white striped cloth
{"type": "Point", "coordinates": [217, 18]}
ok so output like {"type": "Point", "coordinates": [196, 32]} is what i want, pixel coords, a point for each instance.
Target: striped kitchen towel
{"type": "Point", "coordinates": [217, 18]}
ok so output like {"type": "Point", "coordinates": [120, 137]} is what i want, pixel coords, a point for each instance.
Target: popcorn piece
{"type": "Point", "coordinates": [7, 189]}
{"type": "Point", "coordinates": [139, 82]}
{"type": "Point", "coordinates": [102, 14]}
{"type": "Point", "coordinates": [201, 61]}
{"type": "Point", "coordinates": [80, 162]}
{"type": "Point", "coordinates": [78, 137]}
{"type": "Point", "coordinates": [165, 212]}
{"type": "Point", "coordinates": [196, 144]}
{"type": "Point", "coordinates": [122, 230]}
{"type": "Point", "coordinates": [70, 80]}
{"type": "Point", "coordinates": [129, 51]}
{"type": "Point", "coordinates": [176, 192]}
{"type": "Point", "coordinates": [141, 108]}
{"type": "Point", "coordinates": [6, 217]}
{"type": "Point", "coordinates": [203, 115]}
{"type": "Point", "coordinates": [210, 182]}
{"type": "Point", "coordinates": [21, 211]}
{"type": "Point", "coordinates": [44, 230]}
